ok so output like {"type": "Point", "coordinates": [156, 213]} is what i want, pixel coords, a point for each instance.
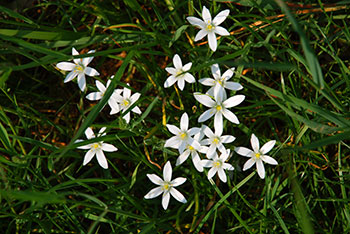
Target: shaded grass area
{"type": "Point", "coordinates": [295, 72]}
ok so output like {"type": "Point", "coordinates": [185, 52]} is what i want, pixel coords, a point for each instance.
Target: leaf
{"type": "Point", "coordinates": [177, 34]}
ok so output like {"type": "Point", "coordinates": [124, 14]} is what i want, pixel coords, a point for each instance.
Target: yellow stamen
{"type": "Point", "coordinates": [95, 145]}
{"type": "Point", "coordinates": [210, 27]}
{"type": "Point", "coordinates": [257, 155]}
{"type": "Point", "coordinates": [79, 68]}
{"type": "Point", "coordinates": [178, 73]}
{"type": "Point", "coordinates": [217, 164]}
{"type": "Point", "coordinates": [166, 187]}
{"type": "Point", "coordinates": [220, 82]}
{"type": "Point", "coordinates": [216, 140]}
{"type": "Point", "coordinates": [183, 135]}
{"type": "Point", "coordinates": [190, 147]}
{"type": "Point", "coordinates": [125, 102]}
{"type": "Point", "coordinates": [218, 107]}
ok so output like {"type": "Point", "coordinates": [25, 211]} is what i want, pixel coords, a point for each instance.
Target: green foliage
{"type": "Point", "coordinates": [295, 73]}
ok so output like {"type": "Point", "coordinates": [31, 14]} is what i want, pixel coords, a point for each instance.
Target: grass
{"type": "Point", "coordinates": [292, 60]}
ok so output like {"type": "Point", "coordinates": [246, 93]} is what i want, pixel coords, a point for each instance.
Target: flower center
{"type": "Point", "coordinates": [126, 102]}
{"type": "Point", "coordinates": [79, 68]}
{"type": "Point", "coordinates": [217, 164]}
{"type": "Point", "coordinates": [218, 107]}
{"type": "Point", "coordinates": [257, 155]}
{"type": "Point", "coordinates": [166, 186]}
{"type": "Point", "coordinates": [216, 140]}
{"type": "Point", "coordinates": [220, 82]}
{"type": "Point", "coordinates": [210, 27]}
{"type": "Point", "coordinates": [183, 135]}
{"type": "Point", "coordinates": [95, 145]}
{"type": "Point", "coordinates": [179, 72]}
{"type": "Point", "coordinates": [190, 147]}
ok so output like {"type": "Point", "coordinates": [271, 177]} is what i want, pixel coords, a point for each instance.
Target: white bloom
{"type": "Point", "coordinates": [257, 155]}
{"type": "Point", "coordinates": [125, 102]}
{"type": "Point", "coordinates": [96, 148]}
{"type": "Point", "coordinates": [78, 68]}
{"type": "Point", "coordinates": [215, 141]}
{"type": "Point", "coordinates": [94, 96]}
{"type": "Point", "coordinates": [166, 186]}
{"type": "Point", "coordinates": [218, 165]}
{"type": "Point", "coordinates": [220, 83]}
{"type": "Point", "coordinates": [179, 74]}
{"type": "Point", "coordinates": [210, 27]}
{"type": "Point", "coordinates": [183, 135]}
{"type": "Point", "coordinates": [218, 108]}
{"type": "Point", "coordinates": [193, 150]}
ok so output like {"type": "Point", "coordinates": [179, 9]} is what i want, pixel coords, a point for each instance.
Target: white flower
{"type": "Point", "coordinates": [218, 108]}
{"type": "Point", "coordinates": [179, 73]}
{"type": "Point", "coordinates": [218, 165]}
{"type": "Point", "coordinates": [78, 68]}
{"type": "Point", "coordinates": [257, 155]}
{"type": "Point", "coordinates": [166, 186]}
{"type": "Point", "coordinates": [210, 27]}
{"type": "Point", "coordinates": [183, 135]}
{"type": "Point", "coordinates": [94, 96]}
{"type": "Point", "coordinates": [215, 141]}
{"type": "Point", "coordinates": [193, 150]}
{"type": "Point", "coordinates": [125, 102]}
{"type": "Point", "coordinates": [96, 148]}
{"type": "Point", "coordinates": [219, 83]}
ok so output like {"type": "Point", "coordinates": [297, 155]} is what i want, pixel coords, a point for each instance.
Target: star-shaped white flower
{"type": "Point", "coordinates": [94, 96]}
{"type": "Point", "coordinates": [218, 108]}
{"type": "Point", "coordinates": [215, 141]}
{"type": "Point", "coordinates": [125, 102]}
{"type": "Point", "coordinates": [78, 68]}
{"type": "Point", "coordinates": [220, 83]}
{"type": "Point", "coordinates": [218, 165]}
{"type": "Point", "coordinates": [257, 155]}
{"type": "Point", "coordinates": [166, 186]}
{"type": "Point", "coordinates": [210, 27]}
{"type": "Point", "coordinates": [179, 73]}
{"type": "Point", "coordinates": [96, 148]}
{"type": "Point", "coordinates": [183, 135]}
{"type": "Point", "coordinates": [193, 151]}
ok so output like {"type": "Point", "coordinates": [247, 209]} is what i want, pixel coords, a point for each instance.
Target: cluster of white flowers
{"type": "Point", "coordinates": [188, 141]}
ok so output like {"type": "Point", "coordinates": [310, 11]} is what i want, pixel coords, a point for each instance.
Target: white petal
{"type": "Point", "coordinates": [178, 181]}
{"type": "Point", "coordinates": [184, 144]}
{"type": "Point", "coordinates": [167, 171]}
{"type": "Point", "coordinates": [228, 166]}
{"type": "Point", "coordinates": [230, 116]}
{"type": "Point", "coordinates": [136, 110]}
{"type": "Point", "coordinates": [206, 14]}
{"type": "Point", "coordinates": [71, 75]}
{"type": "Point", "coordinates": [154, 193]}
{"type": "Point", "coordinates": [215, 70]}
{"type": "Point", "coordinates": [170, 81]}
{"type": "Point", "coordinates": [177, 195]}
{"type": "Point", "coordinates": [187, 66]}
{"type": "Point", "coordinates": [219, 18]}
{"type": "Point", "coordinates": [85, 147]}
{"type": "Point", "coordinates": [182, 158]}
{"type": "Point", "coordinates": [88, 156]}
{"type": "Point", "coordinates": [108, 147]}
{"type": "Point", "coordinates": [227, 139]}
{"type": "Point", "coordinates": [165, 200]}
{"type": "Point", "coordinates": [221, 31]}
{"type": "Point", "coordinates": [89, 133]}
{"type": "Point", "coordinates": [100, 86]}
{"type": "Point", "coordinates": [127, 117]}
{"type": "Point", "coordinates": [249, 163]}
{"type": "Point", "coordinates": [189, 78]}
{"type": "Point", "coordinates": [181, 84]}
{"type": "Point", "coordinates": [196, 21]}
{"type": "Point", "coordinates": [91, 71]}
{"type": "Point", "coordinates": [267, 146]}
{"type": "Point", "coordinates": [207, 163]}
{"type": "Point", "coordinates": [171, 70]}
{"type": "Point", "coordinates": [66, 66]}
{"type": "Point", "coordinates": [134, 98]}
{"type": "Point", "coordinates": [233, 101]}
{"type": "Point", "coordinates": [211, 151]}
{"type": "Point", "coordinates": [177, 61]}
{"type": "Point", "coordinates": [155, 179]}
{"type": "Point", "coordinates": [228, 74]}
{"type": "Point", "coordinates": [184, 122]}
{"type": "Point", "coordinates": [75, 53]}
{"type": "Point", "coordinates": [197, 161]}
{"type": "Point", "coordinates": [206, 115]}
{"type": "Point", "coordinates": [204, 99]}
{"type": "Point", "coordinates": [81, 82]}
{"type": "Point", "coordinates": [212, 41]}
{"type": "Point", "coordinates": [102, 131]}
{"type": "Point", "coordinates": [207, 131]}
{"type": "Point", "coordinates": [268, 159]}
{"type": "Point", "coordinates": [101, 159]}
{"type": "Point", "coordinates": [173, 129]}
{"type": "Point", "coordinates": [233, 85]}
{"type": "Point", "coordinates": [254, 141]}
{"type": "Point", "coordinates": [260, 168]}
{"type": "Point", "coordinates": [88, 60]}
{"type": "Point", "coordinates": [212, 172]}
{"type": "Point", "coordinates": [222, 175]}
{"type": "Point", "coordinates": [218, 122]}
{"type": "Point", "coordinates": [126, 92]}
{"type": "Point", "coordinates": [244, 151]}
{"type": "Point", "coordinates": [173, 142]}
{"type": "Point", "coordinates": [193, 131]}
{"type": "Point", "coordinates": [207, 81]}
{"type": "Point", "coordinates": [94, 96]}
{"type": "Point", "coordinates": [200, 35]}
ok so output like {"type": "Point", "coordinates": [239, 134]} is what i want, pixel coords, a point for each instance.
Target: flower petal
{"type": "Point", "coordinates": [88, 60]}
{"type": "Point", "coordinates": [177, 62]}
{"type": "Point", "coordinates": [193, 131]}
{"type": "Point", "coordinates": [94, 96]}
{"type": "Point", "coordinates": [126, 92]}
{"type": "Point", "coordinates": [206, 115]}
{"type": "Point", "coordinates": [212, 41]}
{"type": "Point", "coordinates": [233, 85]}
{"type": "Point", "coordinates": [101, 158]}
{"type": "Point", "coordinates": [233, 101]}
{"type": "Point", "coordinates": [177, 195]}
{"type": "Point", "coordinates": [81, 82]}
{"type": "Point", "coordinates": [249, 163]}
{"type": "Point", "coordinates": [228, 166]}
{"type": "Point", "coordinates": [221, 31]}
{"type": "Point", "coordinates": [260, 168]}
{"type": "Point", "coordinates": [218, 124]}
{"type": "Point", "coordinates": [244, 151]}
{"type": "Point", "coordinates": [197, 161]}
{"type": "Point", "coordinates": [100, 86]}
{"type": "Point", "coordinates": [227, 139]}
{"type": "Point", "coordinates": [212, 172]}
{"type": "Point", "coordinates": [196, 21]}
{"type": "Point", "coordinates": [204, 99]}
{"type": "Point", "coordinates": [228, 74]}
{"type": "Point", "coordinates": [230, 116]}
{"type": "Point", "coordinates": [187, 66]}
{"type": "Point", "coordinates": [215, 70]}
{"type": "Point", "coordinates": [165, 200]}
{"type": "Point", "coordinates": [108, 147]}
{"type": "Point", "coordinates": [136, 110]}
{"type": "Point", "coordinates": [201, 34]}
{"type": "Point", "coordinates": [154, 193]}
{"type": "Point", "coordinates": [127, 117]}
{"type": "Point", "coordinates": [88, 156]}
{"type": "Point", "coordinates": [65, 66]}
{"type": "Point", "coordinates": [170, 81]}
{"type": "Point", "coordinates": [167, 171]}
{"type": "Point", "coordinates": [184, 122]}
{"type": "Point", "coordinates": [254, 141]}
{"type": "Point", "coordinates": [178, 181]}
{"type": "Point", "coordinates": [222, 175]}
{"type": "Point", "coordinates": [182, 158]}
{"type": "Point", "coordinates": [173, 129]}
{"type": "Point", "coordinates": [268, 159]}
{"type": "Point", "coordinates": [71, 75]}
{"type": "Point", "coordinates": [219, 18]}
{"type": "Point", "coordinates": [207, 81]}
{"type": "Point", "coordinates": [89, 133]}
{"type": "Point", "coordinates": [267, 146]}
{"type": "Point", "coordinates": [181, 84]}
{"type": "Point", "coordinates": [91, 71]}
{"type": "Point", "coordinates": [174, 142]}
{"type": "Point", "coordinates": [75, 53]}
{"type": "Point", "coordinates": [207, 163]}
{"type": "Point", "coordinates": [189, 78]}
{"type": "Point", "coordinates": [155, 179]}
{"type": "Point", "coordinates": [206, 15]}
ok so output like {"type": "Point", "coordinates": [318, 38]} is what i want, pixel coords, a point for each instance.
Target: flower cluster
{"type": "Point", "coordinates": [208, 147]}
